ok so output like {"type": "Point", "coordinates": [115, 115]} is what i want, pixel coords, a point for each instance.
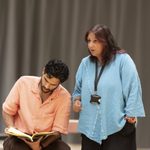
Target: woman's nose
{"type": "Point", "coordinates": [90, 45]}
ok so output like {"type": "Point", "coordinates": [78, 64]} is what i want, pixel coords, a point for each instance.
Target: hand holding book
{"type": "Point", "coordinates": [40, 135]}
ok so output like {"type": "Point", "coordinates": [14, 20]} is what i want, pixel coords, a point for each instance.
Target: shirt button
{"type": "Point", "coordinates": [104, 137]}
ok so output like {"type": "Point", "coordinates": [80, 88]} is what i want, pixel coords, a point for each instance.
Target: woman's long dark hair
{"type": "Point", "coordinates": [104, 35]}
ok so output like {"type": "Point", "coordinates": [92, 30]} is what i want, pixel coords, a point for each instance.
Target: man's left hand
{"type": "Point", "coordinates": [34, 145]}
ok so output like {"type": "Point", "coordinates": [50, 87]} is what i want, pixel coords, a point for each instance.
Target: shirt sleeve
{"type": "Point", "coordinates": [62, 117]}
{"type": "Point", "coordinates": [131, 86]}
{"type": "Point", "coordinates": [11, 103]}
{"type": "Point", "coordinates": [78, 82]}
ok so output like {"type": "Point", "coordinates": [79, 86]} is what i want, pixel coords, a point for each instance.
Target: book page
{"type": "Point", "coordinates": [40, 134]}
{"type": "Point", "coordinates": [15, 132]}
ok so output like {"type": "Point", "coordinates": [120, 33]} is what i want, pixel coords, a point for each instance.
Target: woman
{"type": "Point", "coordinates": [107, 94]}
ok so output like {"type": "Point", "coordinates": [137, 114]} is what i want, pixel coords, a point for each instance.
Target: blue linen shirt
{"type": "Point", "coordinates": [120, 90]}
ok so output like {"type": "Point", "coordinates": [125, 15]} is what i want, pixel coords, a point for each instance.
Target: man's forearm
{"type": "Point", "coordinates": [8, 119]}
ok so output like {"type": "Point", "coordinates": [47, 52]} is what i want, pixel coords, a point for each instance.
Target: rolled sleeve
{"type": "Point", "coordinates": [77, 90]}
{"type": "Point", "coordinates": [63, 114]}
{"type": "Point", "coordinates": [131, 89]}
{"type": "Point", "coordinates": [11, 103]}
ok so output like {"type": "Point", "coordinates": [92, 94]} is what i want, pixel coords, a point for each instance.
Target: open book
{"type": "Point", "coordinates": [15, 132]}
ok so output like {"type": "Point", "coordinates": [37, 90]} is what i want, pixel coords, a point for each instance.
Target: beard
{"type": "Point", "coordinates": [45, 90]}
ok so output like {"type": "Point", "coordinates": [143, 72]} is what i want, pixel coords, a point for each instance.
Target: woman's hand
{"type": "Point", "coordinates": [77, 106]}
{"type": "Point", "coordinates": [131, 119]}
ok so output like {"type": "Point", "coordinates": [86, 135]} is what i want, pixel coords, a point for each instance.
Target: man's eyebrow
{"type": "Point", "coordinates": [48, 82]}
{"type": "Point", "coordinates": [45, 79]}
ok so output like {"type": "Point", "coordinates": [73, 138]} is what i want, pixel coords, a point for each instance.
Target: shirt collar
{"type": "Point", "coordinates": [35, 89]}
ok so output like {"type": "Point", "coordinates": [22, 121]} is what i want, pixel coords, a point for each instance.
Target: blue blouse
{"type": "Point", "coordinates": [120, 90]}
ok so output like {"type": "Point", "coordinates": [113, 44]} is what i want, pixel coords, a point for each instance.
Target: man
{"type": "Point", "coordinates": [37, 104]}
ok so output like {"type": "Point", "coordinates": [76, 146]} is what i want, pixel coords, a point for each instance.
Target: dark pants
{"type": "Point", "coordinates": [13, 143]}
{"type": "Point", "coordinates": [122, 140]}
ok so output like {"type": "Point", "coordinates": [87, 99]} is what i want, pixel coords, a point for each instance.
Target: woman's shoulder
{"type": "Point", "coordinates": [124, 59]}
{"type": "Point", "coordinates": [123, 56]}
{"type": "Point", "coordinates": [87, 58]}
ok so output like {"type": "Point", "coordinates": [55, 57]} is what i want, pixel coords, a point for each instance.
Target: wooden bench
{"type": "Point", "coordinates": [2, 136]}
{"type": "Point", "coordinates": [73, 123]}
{"type": "Point", "coordinates": [72, 129]}
{"type": "Point", "coordinates": [73, 138]}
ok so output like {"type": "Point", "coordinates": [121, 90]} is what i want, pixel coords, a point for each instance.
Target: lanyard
{"type": "Point", "coordinates": [97, 76]}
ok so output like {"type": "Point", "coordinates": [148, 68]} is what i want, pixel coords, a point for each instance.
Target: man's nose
{"type": "Point", "coordinates": [47, 86]}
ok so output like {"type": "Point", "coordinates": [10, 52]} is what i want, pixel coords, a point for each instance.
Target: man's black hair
{"type": "Point", "coordinates": [58, 69]}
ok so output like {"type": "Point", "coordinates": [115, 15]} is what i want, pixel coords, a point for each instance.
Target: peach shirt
{"type": "Point", "coordinates": [30, 114]}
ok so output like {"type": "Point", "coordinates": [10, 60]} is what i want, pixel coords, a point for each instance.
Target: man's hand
{"type": "Point", "coordinates": [33, 145]}
{"type": "Point", "coordinates": [50, 139]}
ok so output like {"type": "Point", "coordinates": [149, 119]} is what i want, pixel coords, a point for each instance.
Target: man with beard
{"type": "Point", "coordinates": [38, 104]}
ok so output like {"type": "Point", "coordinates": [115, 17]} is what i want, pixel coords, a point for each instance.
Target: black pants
{"type": "Point", "coordinates": [122, 140]}
{"type": "Point", "coordinates": [13, 143]}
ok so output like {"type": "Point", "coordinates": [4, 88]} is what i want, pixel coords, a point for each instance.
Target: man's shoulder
{"type": "Point", "coordinates": [63, 90]}
{"type": "Point", "coordinates": [28, 79]}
